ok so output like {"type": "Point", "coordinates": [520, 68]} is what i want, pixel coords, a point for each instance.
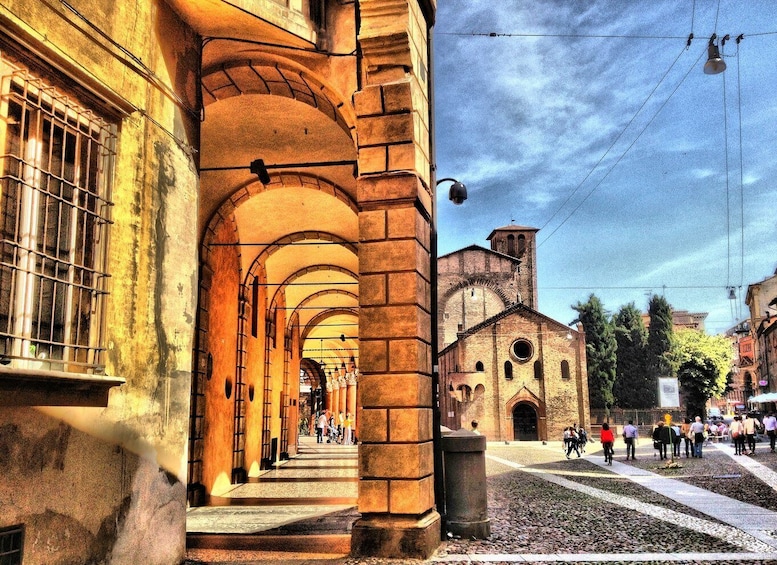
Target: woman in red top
{"type": "Point", "coordinates": [607, 439]}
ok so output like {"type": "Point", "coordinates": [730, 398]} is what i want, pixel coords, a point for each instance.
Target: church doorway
{"type": "Point", "coordinates": [525, 423]}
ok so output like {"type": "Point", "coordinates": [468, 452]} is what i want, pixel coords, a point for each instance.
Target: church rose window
{"type": "Point", "coordinates": [522, 350]}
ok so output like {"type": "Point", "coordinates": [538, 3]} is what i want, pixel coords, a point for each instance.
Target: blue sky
{"type": "Point", "coordinates": [593, 121]}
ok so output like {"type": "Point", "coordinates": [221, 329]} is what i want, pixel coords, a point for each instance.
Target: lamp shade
{"type": "Point", "coordinates": [715, 63]}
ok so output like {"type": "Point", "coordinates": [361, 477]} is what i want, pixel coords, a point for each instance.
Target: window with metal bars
{"type": "Point", "coordinates": [56, 167]}
{"type": "Point", "coordinates": [11, 545]}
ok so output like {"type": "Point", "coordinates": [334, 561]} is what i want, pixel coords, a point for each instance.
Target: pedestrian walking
{"type": "Point", "coordinates": [770, 427]}
{"type": "Point", "coordinates": [630, 437]}
{"type": "Point", "coordinates": [685, 431]}
{"type": "Point", "coordinates": [737, 431]}
{"type": "Point", "coordinates": [608, 439]}
{"type": "Point", "coordinates": [582, 439]}
{"type": "Point", "coordinates": [751, 425]}
{"type": "Point", "coordinates": [697, 429]}
{"type": "Point", "coordinates": [347, 430]}
{"type": "Point", "coordinates": [660, 439]}
{"type": "Point", "coordinates": [676, 439]}
{"type": "Point", "coordinates": [570, 441]}
{"type": "Point", "coordinates": [321, 428]}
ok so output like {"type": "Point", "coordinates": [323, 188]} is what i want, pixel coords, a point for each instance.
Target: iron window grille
{"type": "Point", "coordinates": [57, 166]}
{"type": "Point", "coordinates": [11, 545]}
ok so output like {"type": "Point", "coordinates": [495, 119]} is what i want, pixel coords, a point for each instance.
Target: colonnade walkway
{"type": "Point", "coordinates": [305, 508]}
{"type": "Point", "coordinates": [307, 502]}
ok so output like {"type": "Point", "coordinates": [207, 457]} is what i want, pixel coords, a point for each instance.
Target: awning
{"type": "Point", "coordinates": [766, 397]}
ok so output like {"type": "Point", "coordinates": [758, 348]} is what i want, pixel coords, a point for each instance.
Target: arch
{"type": "Point", "coordinates": [307, 270]}
{"type": "Point", "coordinates": [509, 370]}
{"type": "Point", "coordinates": [511, 245]}
{"type": "Point", "coordinates": [538, 369]}
{"type": "Point", "coordinates": [465, 393]}
{"type": "Point", "coordinates": [565, 369]}
{"type": "Point", "coordinates": [526, 396]}
{"type": "Point", "coordinates": [321, 316]}
{"type": "Point", "coordinates": [479, 367]}
{"type": "Point", "coordinates": [481, 282]}
{"type": "Point", "coordinates": [273, 76]}
{"type": "Point", "coordinates": [525, 422]}
{"type": "Point", "coordinates": [277, 182]}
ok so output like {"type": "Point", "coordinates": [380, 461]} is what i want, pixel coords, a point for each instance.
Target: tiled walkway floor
{"type": "Point", "coordinates": [322, 480]}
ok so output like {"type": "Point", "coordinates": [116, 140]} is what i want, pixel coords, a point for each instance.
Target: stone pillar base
{"type": "Point", "coordinates": [396, 537]}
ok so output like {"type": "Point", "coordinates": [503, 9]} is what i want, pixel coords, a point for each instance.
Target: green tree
{"type": "Point", "coordinates": [600, 348]}
{"type": "Point", "coordinates": [633, 387]}
{"type": "Point", "coordinates": [659, 360]}
{"type": "Point", "coordinates": [704, 367]}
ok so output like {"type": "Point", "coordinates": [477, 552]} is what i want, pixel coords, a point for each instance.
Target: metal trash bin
{"type": "Point", "coordinates": [464, 469]}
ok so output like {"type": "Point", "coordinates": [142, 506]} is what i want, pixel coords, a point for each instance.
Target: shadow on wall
{"type": "Point", "coordinates": [82, 499]}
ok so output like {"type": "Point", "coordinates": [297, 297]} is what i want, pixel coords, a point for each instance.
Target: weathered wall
{"type": "Point", "coordinates": [106, 485]}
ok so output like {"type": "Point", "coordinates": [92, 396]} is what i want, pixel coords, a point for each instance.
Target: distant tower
{"type": "Point", "coordinates": [520, 242]}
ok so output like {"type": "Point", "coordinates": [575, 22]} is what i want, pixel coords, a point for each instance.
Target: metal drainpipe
{"type": "Point", "coordinates": [439, 480]}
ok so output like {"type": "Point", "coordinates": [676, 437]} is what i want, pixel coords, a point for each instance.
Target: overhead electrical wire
{"type": "Point", "coordinates": [626, 127]}
{"type": "Point", "coordinates": [620, 158]}
{"type": "Point", "coordinates": [567, 35]}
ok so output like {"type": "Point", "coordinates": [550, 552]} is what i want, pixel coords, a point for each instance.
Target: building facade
{"type": "Point", "coordinates": [521, 374]}
{"type": "Point", "coordinates": [761, 300]}
{"type": "Point", "coordinates": [205, 205]}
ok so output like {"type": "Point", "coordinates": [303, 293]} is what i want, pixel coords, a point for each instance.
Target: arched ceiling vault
{"type": "Point", "coordinates": [302, 226]}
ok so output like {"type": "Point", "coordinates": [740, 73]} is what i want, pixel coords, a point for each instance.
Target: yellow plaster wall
{"type": "Point", "coordinates": [117, 473]}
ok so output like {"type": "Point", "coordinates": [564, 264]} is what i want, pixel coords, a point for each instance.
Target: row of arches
{"type": "Point", "coordinates": [277, 320]}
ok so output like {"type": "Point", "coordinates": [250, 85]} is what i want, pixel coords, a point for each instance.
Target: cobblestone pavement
{"type": "Point", "coordinates": [547, 509]}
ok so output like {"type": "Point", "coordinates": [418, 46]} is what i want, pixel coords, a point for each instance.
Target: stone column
{"type": "Point", "coordinates": [330, 396]}
{"type": "Point", "coordinates": [350, 405]}
{"type": "Point", "coordinates": [396, 455]}
{"type": "Point", "coordinates": [343, 396]}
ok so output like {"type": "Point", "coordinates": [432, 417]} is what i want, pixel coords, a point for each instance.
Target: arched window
{"type": "Point", "coordinates": [479, 367]}
{"type": "Point", "coordinates": [565, 369]}
{"type": "Point", "coordinates": [521, 245]}
{"type": "Point", "coordinates": [508, 370]}
{"type": "Point", "coordinates": [538, 369]}
{"type": "Point", "coordinates": [511, 245]}
{"type": "Point", "coordinates": [465, 393]}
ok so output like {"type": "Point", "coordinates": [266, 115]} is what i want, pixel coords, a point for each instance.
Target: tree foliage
{"type": "Point", "coordinates": [633, 387]}
{"type": "Point", "coordinates": [704, 367]}
{"type": "Point", "coordinates": [600, 348]}
{"type": "Point", "coordinates": [660, 339]}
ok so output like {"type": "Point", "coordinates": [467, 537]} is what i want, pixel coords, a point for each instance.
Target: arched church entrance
{"type": "Point", "coordinates": [525, 423]}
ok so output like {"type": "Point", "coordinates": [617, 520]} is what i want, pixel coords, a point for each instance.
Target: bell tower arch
{"type": "Point", "coordinates": [520, 242]}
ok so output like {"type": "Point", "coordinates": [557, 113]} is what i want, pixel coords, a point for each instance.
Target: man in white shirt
{"type": "Point", "coordinates": [770, 426]}
{"type": "Point", "coordinates": [697, 429]}
{"type": "Point", "coordinates": [751, 425]}
{"type": "Point", "coordinates": [630, 437]}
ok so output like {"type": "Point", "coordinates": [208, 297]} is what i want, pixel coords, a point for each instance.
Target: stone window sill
{"type": "Point", "coordinates": [36, 387]}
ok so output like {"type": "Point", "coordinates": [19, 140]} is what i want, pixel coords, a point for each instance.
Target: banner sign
{"type": "Point", "coordinates": [668, 393]}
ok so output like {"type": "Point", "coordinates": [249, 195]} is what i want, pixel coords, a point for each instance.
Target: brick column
{"type": "Point", "coordinates": [396, 455]}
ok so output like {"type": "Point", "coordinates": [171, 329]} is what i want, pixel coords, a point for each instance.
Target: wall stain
{"type": "Point", "coordinates": [33, 454]}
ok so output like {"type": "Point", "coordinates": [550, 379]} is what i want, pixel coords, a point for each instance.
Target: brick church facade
{"type": "Point", "coordinates": [520, 373]}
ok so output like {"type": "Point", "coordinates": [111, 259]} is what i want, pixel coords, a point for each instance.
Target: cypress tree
{"type": "Point", "coordinates": [659, 342]}
{"type": "Point", "coordinates": [633, 386]}
{"type": "Point", "coordinates": [600, 348]}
